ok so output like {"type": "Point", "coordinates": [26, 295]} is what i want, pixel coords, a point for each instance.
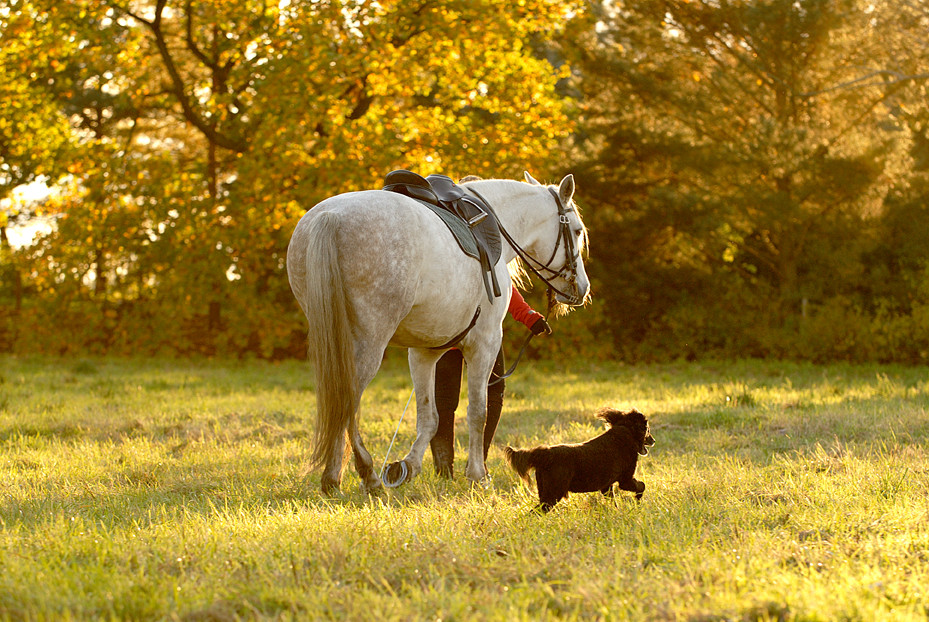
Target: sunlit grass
{"type": "Point", "coordinates": [176, 490]}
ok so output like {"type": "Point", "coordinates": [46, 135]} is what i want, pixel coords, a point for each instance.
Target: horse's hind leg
{"type": "Point", "coordinates": [367, 366]}
{"type": "Point", "coordinates": [331, 477]}
{"type": "Point", "coordinates": [364, 464]}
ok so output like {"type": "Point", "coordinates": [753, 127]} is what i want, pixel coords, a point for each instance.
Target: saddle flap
{"type": "Point", "coordinates": [444, 188]}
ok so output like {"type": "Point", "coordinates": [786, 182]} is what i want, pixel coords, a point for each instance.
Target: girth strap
{"type": "Point", "coordinates": [454, 340]}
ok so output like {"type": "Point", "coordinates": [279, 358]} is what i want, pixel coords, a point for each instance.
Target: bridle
{"type": "Point", "coordinates": [569, 271]}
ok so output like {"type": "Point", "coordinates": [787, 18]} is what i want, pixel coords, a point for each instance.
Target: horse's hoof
{"type": "Point", "coordinates": [395, 474]}
{"type": "Point", "coordinates": [331, 489]}
{"type": "Point", "coordinates": [485, 483]}
{"type": "Point", "coordinates": [477, 479]}
{"type": "Point", "coordinates": [373, 486]}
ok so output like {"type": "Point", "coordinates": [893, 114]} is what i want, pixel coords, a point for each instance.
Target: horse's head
{"type": "Point", "coordinates": [566, 275]}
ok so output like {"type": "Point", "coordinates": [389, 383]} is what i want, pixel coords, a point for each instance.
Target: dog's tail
{"type": "Point", "coordinates": [522, 460]}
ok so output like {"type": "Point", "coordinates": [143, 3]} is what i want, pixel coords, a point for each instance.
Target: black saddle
{"type": "Point", "coordinates": [480, 235]}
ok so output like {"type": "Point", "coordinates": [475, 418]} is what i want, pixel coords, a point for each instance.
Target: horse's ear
{"type": "Point", "coordinates": [530, 179]}
{"type": "Point", "coordinates": [566, 190]}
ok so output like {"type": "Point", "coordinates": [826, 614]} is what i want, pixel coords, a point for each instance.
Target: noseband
{"type": "Point", "coordinates": [568, 272]}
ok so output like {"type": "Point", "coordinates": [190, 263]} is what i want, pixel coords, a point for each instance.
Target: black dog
{"type": "Point", "coordinates": [591, 466]}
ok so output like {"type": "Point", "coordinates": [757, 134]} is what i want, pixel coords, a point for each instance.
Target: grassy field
{"type": "Point", "coordinates": [174, 490]}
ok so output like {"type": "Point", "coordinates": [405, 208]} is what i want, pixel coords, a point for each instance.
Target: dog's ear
{"type": "Point", "coordinates": [611, 416]}
{"type": "Point", "coordinates": [628, 418]}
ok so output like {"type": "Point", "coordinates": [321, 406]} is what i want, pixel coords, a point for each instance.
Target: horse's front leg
{"type": "Point", "coordinates": [477, 418]}
{"type": "Point", "coordinates": [479, 367]}
{"type": "Point", "coordinates": [422, 370]}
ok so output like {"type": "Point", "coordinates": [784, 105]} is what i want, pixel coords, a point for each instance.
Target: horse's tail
{"type": "Point", "coordinates": [329, 313]}
{"type": "Point", "coordinates": [522, 460]}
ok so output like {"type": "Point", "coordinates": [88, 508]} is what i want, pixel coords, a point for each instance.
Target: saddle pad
{"type": "Point", "coordinates": [448, 200]}
{"type": "Point", "coordinates": [482, 242]}
{"type": "Point", "coordinates": [459, 229]}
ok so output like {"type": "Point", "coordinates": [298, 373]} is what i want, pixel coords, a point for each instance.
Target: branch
{"type": "Point", "coordinates": [130, 13]}
{"type": "Point", "coordinates": [857, 82]}
{"type": "Point", "coordinates": [177, 87]}
{"type": "Point", "coordinates": [191, 43]}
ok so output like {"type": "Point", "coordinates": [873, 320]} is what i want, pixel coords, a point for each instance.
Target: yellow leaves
{"type": "Point", "coordinates": [304, 77]}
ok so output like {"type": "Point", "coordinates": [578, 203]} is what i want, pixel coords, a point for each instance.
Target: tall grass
{"type": "Point", "coordinates": [175, 490]}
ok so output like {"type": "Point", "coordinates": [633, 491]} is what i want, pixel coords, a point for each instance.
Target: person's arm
{"type": "Point", "coordinates": [526, 315]}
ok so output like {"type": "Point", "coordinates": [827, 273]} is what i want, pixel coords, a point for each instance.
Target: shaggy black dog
{"type": "Point", "coordinates": [591, 466]}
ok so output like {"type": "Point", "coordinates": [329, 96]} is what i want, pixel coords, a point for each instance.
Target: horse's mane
{"type": "Point", "coordinates": [519, 275]}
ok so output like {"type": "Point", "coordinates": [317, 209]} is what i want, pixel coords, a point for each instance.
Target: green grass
{"type": "Point", "coordinates": [175, 490]}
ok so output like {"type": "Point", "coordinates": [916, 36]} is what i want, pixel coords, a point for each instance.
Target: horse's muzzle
{"type": "Point", "coordinates": [576, 299]}
{"type": "Point", "coordinates": [571, 301]}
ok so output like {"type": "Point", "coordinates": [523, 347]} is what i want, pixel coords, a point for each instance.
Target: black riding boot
{"type": "Point", "coordinates": [447, 390]}
{"type": "Point", "coordinates": [494, 402]}
{"type": "Point", "coordinates": [443, 447]}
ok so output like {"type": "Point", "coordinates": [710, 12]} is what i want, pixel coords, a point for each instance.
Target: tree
{"type": "Point", "coordinates": [35, 144]}
{"type": "Point", "coordinates": [750, 142]}
{"type": "Point", "coordinates": [209, 126]}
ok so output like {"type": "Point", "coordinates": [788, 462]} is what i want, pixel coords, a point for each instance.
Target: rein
{"type": "Point", "coordinates": [512, 369]}
{"type": "Point", "coordinates": [568, 271]}
{"type": "Point", "coordinates": [403, 466]}
{"type": "Point", "coordinates": [522, 350]}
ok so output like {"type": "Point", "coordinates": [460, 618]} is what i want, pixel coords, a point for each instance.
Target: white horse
{"type": "Point", "coordinates": [377, 268]}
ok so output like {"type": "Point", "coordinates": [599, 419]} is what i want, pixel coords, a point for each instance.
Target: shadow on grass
{"type": "Point", "coordinates": [732, 414]}
{"type": "Point", "coordinates": [143, 496]}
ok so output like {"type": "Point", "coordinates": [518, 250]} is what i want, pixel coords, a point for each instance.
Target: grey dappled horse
{"type": "Point", "coordinates": [374, 268]}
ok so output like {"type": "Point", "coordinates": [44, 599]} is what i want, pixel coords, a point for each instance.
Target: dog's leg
{"type": "Point", "coordinates": [551, 489]}
{"type": "Point", "coordinates": [608, 492]}
{"type": "Point", "coordinates": [633, 485]}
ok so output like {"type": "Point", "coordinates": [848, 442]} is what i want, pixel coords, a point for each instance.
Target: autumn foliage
{"type": "Point", "coordinates": [201, 130]}
{"type": "Point", "coordinates": [754, 174]}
